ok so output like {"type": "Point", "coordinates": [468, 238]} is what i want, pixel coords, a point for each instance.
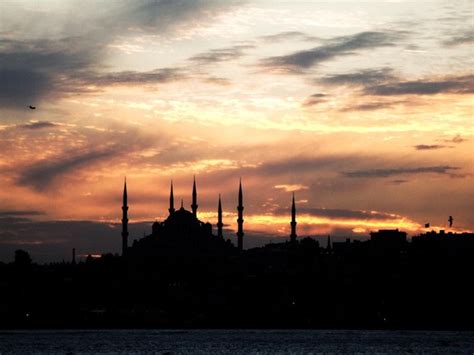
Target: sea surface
{"type": "Point", "coordinates": [235, 342]}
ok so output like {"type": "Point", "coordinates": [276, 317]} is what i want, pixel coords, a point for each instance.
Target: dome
{"type": "Point", "coordinates": [182, 217]}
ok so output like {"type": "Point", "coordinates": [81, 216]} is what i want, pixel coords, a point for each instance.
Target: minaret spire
{"type": "Point", "coordinates": [293, 220]}
{"type": "Point", "coordinates": [240, 219]}
{"type": "Point", "coordinates": [219, 219]}
{"type": "Point", "coordinates": [194, 205]}
{"type": "Point", "coordinates": [125, 219]}
{"type": "Point", "coordinates": [171, 209]}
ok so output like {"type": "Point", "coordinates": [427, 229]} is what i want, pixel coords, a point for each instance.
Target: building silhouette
{"type": "Point", "coordinates": [240, 220]}
{"type": "Point", "coordinates": [171, 209]}
{"type": "Point", "coordinates": [219, 219]}
{"type": "Point", "coordinates": [124, 220]}
{"type": "Point", "coordinates": [388, 239]}
{"type": "Point", "coordinates": [194, 205]}
{"type": "Point", "coordinates": [293, 220]}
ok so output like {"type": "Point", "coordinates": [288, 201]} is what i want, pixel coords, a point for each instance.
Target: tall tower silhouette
{"type": "Point", "coordinates": [171, 209]}
{"type": "Point", "coordinates": [240, 219]}
{"type": "Point", "coordinates": [194, 205]}
{"type": "Point", "coordinates": [219, 219]}
{"type": "Point", "coordinates": [124, 220]}
{"type": "Point", "coordinates": [293, 220]}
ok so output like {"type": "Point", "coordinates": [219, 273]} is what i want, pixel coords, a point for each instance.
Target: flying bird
{"type": "Point", "coordinates": [32, 107]}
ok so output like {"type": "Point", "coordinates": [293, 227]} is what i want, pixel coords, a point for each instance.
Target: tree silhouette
{"type": "Point", "coordinates": [22, 258]}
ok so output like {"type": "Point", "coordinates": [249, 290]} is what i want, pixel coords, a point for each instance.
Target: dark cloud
{"type": "Point", "coordinates": [383, 82]}
{"type": "Point", "coordinates": [451, 85]}
{"type": "Point", "coordinates": [165, 16]}
{"type": "Point", "coordinates": [157, 76]}
{"type": "Point", "coordinates": [466, 37]}
{"type": "Point", "coordinates": [288, 36]}
{"type": "Point", "coordinates": [24, 86]}
{"type": "Point", "coordinates": [33, 70]}
{"type": "Point", "coordinates": [365, 79]}
{"type": "Point", "coordinates": [153, 77]}
{"type": "Point", "coordinates": [216, 80]}
{"type": "Point", "coordinates": [20, 87]}
{"type": "Point", "coordinates": [43, 55]}
{"type": "Point", "coordinates": [41, 174]}
{"type": "Point", "coordinates": [221, 54]}
{"type": "Point", "coordinates": [305, 164]}
{"type": "Point", "coordinates": [371, 106]}
{"type": "Point", "coordinates": [13, 213]}
{"type": "Point", "coordinates": [399, 181]}
{"type": "Point", "coordinates": [429, 146]}
{"type": "Point", "coordinates": [100, 148]}
{"type": "Point", "coordinates": [305, 59]}
{"type": "Point", "coordinates": [361, 78]}
{"type": "Point", "coordinates": [39, 125]}
{"type": "Point", "coordinates": [315, 99]}
{"type": "Point", "coordinates": [381, 173]}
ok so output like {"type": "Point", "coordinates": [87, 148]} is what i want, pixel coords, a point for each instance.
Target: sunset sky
{"type": "Point", "coordinates": [363, 109]}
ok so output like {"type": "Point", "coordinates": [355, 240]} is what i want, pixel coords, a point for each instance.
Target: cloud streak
{"type": "Point", "coordinates": [221, 54]}
{"type": "Point", "coordinates": [315, 99]}
{"type": "Point", "coordinates": [300, 61]}
{"type": "Point", "coordinates": [39, 125]}
{"type": "Point", "coordinates": [450, 85]}
{"type": "Point", "coordinates": [41, 174]}
{"type": "Point", "coordinates": [382, 173]}
{"type": "Point", "coordinates": [466, 37]}
{"type": "Point", "coordinates": [360, 78]}
{"type": "Point", "coordinates": [288, 36]}
{"type": "Point", "coordinates": [157, 76]}
{"type": "Point", "coordinates": [429, 146]}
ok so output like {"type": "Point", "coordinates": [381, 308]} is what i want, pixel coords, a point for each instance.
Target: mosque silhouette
{"type": "Point", "coordinates": [182, 230]}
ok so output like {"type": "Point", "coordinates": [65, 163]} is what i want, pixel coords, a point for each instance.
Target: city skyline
{"type": "Point", "coordinates": [363, 110]}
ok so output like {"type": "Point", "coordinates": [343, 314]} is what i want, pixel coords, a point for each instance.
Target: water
{"type": "Point", "coordinates": [235, 342]}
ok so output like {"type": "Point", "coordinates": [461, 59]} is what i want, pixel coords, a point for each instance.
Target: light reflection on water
{"type": "Point", "coordinates": [235, 341]}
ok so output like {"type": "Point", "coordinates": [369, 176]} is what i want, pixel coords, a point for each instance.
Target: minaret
{"type": "Point", "coordinates": [194, 205]}
{"type": "Point", "coordinates": [293, 221]}
{"type": "Point", "coordinates": [124, 220]}
{"type": "Point", "coordinates": [328, 246]}
{"type": "Point", "coordinates": [219, 219]}
{"type": "Point", "coordinates": [240, 220]}
{"type": "Point", "coordinates": [171, 209]}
